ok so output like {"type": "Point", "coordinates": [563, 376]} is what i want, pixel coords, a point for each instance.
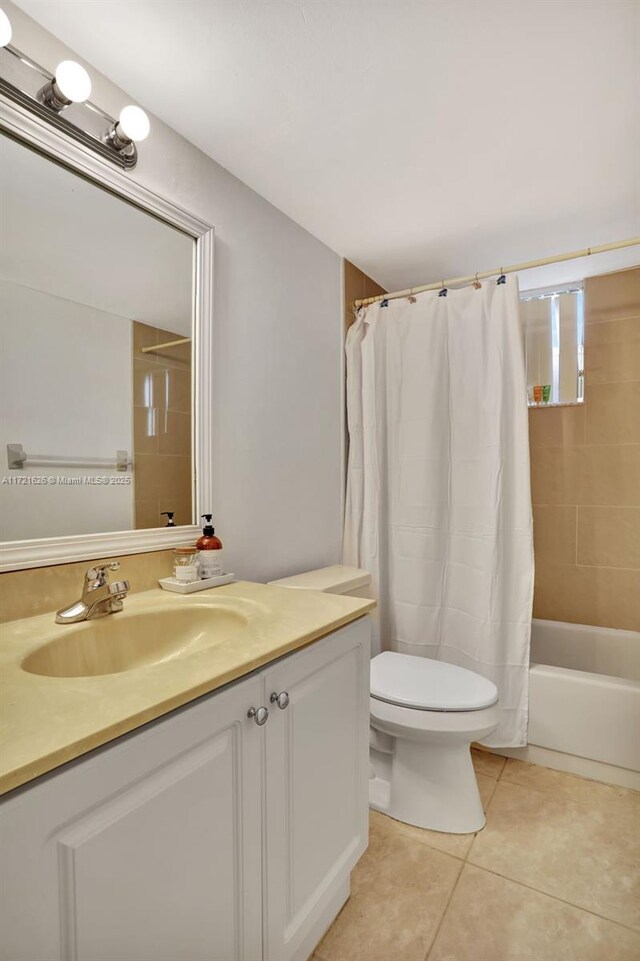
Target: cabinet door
{"type": "Point", "coordinates": [317, 760]}
{"type": "Point", "coordinates": [147, 850]}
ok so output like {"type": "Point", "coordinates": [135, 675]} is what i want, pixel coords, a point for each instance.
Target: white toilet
{"type": "Point", "coordinates": [424, 716]}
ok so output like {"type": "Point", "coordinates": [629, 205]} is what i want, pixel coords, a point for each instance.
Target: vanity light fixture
{"type": "Point", "coordinates": [71, 84]}
{"type": "Point", "coordinates": [48, 96]}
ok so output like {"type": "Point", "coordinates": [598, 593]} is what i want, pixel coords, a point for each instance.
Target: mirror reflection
{"type": "Point", "coordinates": [554, 331]}
{"type": "Point", "coordinates": [96, 306]}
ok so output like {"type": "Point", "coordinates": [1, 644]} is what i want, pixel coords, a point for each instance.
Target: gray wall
{"type": "Point", "coordinates": [278, 348]}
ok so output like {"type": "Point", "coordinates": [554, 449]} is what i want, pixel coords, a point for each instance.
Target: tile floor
{"type": "Point", "coordinates": [554, 876]}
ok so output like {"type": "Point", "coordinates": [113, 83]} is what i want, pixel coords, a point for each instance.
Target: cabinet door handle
{"type": "Point", "coordinates": [281, 699]}
{"type": "Point", "coordinates": [260, 715]}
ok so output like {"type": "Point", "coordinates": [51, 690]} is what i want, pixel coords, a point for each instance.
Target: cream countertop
{"type": "Point", "coordinates": [47, 721]}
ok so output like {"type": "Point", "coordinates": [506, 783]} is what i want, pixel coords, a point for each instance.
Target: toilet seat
{"type": "Point", "coordinates": [443, 727]}
{"type": "Point", "coordinates": [424, 684]}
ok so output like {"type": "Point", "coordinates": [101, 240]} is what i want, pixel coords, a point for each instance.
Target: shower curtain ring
{"type": "Point", "coordinates": [477, 283]}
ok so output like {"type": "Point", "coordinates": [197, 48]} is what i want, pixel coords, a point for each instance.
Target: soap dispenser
{"type": "Point", "coordinates": [169, 516]}
{"type": "Point", "coordinates": [209, 551]}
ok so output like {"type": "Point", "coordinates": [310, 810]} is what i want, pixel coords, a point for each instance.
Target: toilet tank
{"type": "Point", "coordinates": [337, 579]}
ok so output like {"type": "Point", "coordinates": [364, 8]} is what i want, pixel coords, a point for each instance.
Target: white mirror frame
{"type": "Point", "coordinates": [43, 552]}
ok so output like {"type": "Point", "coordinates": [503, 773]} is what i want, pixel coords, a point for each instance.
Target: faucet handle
{"type": "Point", "coordinates": [98, 576]}
{"type": "Point", "coordinates": [119, 588]}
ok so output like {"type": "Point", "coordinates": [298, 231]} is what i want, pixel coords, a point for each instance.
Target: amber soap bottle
{"type": "Point", "coordinates": [209, 551]}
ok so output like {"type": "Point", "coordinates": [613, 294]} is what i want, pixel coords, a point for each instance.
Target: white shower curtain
{"type": "Point", "coordinates": [438, 497]}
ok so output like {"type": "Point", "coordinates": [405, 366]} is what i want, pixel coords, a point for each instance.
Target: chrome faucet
{"type": "Point", "coordinates": [99, 597]}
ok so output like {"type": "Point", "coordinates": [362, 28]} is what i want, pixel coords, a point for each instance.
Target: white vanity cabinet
{"type": "Point", "coordinates": [203, 836]}
{"type": "Point", "coordinates": [317, 784]}
{"type": "Point", "coordinates": [149, 850]}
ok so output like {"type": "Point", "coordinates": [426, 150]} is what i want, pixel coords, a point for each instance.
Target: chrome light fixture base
{"type": "Point", "coordinates": [51, 96]}
{"type": "Point", "coordinates": [50, 104]}
{"type": "Point", "coordinates": [122, 145]}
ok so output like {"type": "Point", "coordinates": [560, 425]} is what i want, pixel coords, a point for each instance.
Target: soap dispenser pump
{"type": "Point", "coordinates": [209, 551]}
{"type": "Point", "coordinates": [169, 516]}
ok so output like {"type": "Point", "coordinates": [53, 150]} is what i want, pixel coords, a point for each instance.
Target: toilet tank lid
{"type": "Point", "coordinates": [337, 579]}
{"type": "Point", "coordinates": [429, 685]}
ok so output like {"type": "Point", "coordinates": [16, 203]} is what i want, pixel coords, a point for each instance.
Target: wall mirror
{"type": "Point", "coordinates": [104, 357]}
{"type": "Point", "coordinates": [554, 331]}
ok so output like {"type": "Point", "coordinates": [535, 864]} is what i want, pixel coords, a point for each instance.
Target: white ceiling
{"type": "Point", "coordinates": [418, 138]}
{"type": "Point", "coordinates": [64, 236]}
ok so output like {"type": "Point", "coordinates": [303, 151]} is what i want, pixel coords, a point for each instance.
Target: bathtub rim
{"type": "Point", "coordinates": [583, 647]}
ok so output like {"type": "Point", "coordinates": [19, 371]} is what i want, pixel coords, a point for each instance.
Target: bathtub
{"type": "Point", "coordinates": [584, 702]}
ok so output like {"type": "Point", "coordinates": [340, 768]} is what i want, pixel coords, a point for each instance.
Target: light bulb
{"type": "Point", "coordinates": [72, 81]}
{"type": "Point", "coordinates": [5, 29]}
{"type": "Point", "coordinates": [134, 123]}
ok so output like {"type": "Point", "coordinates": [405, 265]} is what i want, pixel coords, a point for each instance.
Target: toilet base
{"type": "Point", "coordinates": [422, 772]}
{"type": "Point", "coordinates": [430, 786]}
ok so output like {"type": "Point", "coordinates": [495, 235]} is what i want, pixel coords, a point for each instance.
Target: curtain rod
{"type": "Point", "coordinates": [455, 281]}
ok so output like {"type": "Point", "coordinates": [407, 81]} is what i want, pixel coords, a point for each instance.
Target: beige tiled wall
{"type": "Point", "coordinates": [162, 428]}
{"type": "Point", "coordinates": [356, 287]}
{"type": "Point", "coordinates": [585, 472]}
{"type": "Point", "coordinates": [42, 589]}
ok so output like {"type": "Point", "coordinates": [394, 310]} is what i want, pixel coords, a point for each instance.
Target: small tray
{"type": "Point", "coordinates": [179, 587]}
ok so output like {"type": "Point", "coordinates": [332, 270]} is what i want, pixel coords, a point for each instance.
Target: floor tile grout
{"type": "Point", "coordinates": [474, 834]}
{"type": "Point", "coordinates": [464, 861]}
{"type": "Point", "coordinates": [444, 913]}
{"type": "Point", "coordinates": [466, 857]}
{"type": "Point", "coordinates": [569, 774]}
{"type": "Point", "coordinates": [486, 811]}
{"type": "Point", "coordinates": [577, 777]}
{"type": "Point", "coordinates": [580, 802]}
{"type": "Point", "coordinates": [432, 847]}
{"type": "Point", "coordinates": [456, 857]}
{"type": "Point", "coordinates": [554, 897]}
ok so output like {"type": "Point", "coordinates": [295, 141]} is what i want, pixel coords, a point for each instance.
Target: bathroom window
{"type": "Point", "coordinates": [554, 329]}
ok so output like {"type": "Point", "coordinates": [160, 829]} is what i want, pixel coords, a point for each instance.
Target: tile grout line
{"type": "Point", "coordinates": [444, 913]}
{"type": "Point", "coordinates": [554, 897]}
{"type": "Point", "coordinates": [459, 857]}
{"type": "Point", "coordinates": [429, 845]}
{"type": "Point", "coordinates": [611, 320]}
{"type": "Point", "coordinates": [580, 802]}
{"type": "Point", "coordinates": [624, 443]}
{"type": "Point", "coordinates": [609, 383]}
{"type": "Point", "coordinates": [493, 794]}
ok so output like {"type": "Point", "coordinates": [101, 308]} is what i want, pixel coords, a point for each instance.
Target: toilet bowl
{"type": "Point", "coordinates": [424, 716]}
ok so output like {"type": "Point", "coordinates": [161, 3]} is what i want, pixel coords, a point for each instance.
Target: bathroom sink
{"type": "Point", "coordinates": [123, 642]}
